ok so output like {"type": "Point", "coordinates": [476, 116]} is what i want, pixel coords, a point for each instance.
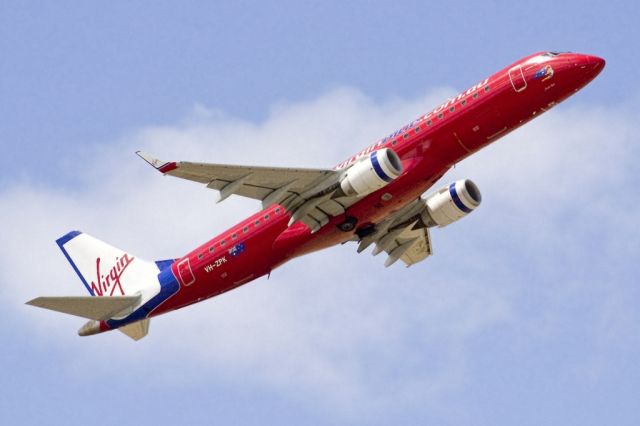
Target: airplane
{"type": "Point", "coordinates": [374, 198]}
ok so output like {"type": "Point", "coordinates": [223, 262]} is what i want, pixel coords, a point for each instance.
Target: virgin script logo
{"type": "Point", "coordinates": [107, 284]}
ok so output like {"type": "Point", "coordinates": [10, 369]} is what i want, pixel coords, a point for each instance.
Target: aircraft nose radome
{"type": "Point", "coordinates": [595, 65]}
{"type": "Point", "coordinates": [594, 61]}
{"type": "Point", "coordinates": [588, 66]}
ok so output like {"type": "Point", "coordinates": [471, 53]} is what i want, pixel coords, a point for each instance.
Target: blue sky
{"type": "Point", "coordinates": [526, 314]}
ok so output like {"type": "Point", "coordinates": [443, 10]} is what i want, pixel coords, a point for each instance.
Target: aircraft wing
{"type": "Point", "coordinates": [402, 236]}
{"type": "Point", "coordinates": [307, 191]}
{"type": "Point", "coordinates": [411, 246]}
{"type": "Point", "coordinates": [247, 181]}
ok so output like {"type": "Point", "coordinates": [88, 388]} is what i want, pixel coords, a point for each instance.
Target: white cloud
{"type": "Point", "coordinates": [335, 327]}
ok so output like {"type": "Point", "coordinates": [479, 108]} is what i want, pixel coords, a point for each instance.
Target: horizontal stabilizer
{"type": "Point", "coordinates": [95, 308]}
{"type": "Point", "coordinates": [136, 330]}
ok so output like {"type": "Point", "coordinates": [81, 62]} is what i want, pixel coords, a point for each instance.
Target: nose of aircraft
{"type": "Point", "coordinates": [584, 67]}
{"type": "Point", "coordinates": [589, 64]}
{"type": "Point", "coordinates": [591, 61]}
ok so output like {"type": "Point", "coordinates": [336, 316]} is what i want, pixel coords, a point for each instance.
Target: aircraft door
{"type": "Point", "coordinates": [185, 272]}
{"type": "Point", "coordinates": [516, 76]}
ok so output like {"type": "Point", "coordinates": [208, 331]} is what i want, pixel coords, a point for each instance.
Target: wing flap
{"type": "Point", "coordinates": [402, 236]}
{"type": "Point", "coordinates": [411, 246]}
{"type": "Point", "coordinates": [419, 250]}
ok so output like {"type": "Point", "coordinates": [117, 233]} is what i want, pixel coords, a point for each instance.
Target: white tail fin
{"type": "Point", "coordinates": [108, 271]}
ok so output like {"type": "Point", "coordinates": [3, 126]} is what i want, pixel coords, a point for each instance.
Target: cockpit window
{"type": "Point", "coordinates": [552, 54]}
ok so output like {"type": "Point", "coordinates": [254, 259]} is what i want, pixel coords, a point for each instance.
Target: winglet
{"type": "Point", "coordinates": [162, 166]}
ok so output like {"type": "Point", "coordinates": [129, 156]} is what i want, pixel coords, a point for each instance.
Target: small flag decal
{"type": "Point", "coordinates": [237, 250]}
{"type": "Point", "coordinates": [544, 73]}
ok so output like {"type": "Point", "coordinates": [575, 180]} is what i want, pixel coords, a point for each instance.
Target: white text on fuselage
{"type": "Point", "coordinates": [215, 264]}
{"type": "Point", "coordinates": [403, 129]}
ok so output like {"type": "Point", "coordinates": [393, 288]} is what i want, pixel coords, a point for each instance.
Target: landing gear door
{"type": "Point", "coordinates": [516, 76]}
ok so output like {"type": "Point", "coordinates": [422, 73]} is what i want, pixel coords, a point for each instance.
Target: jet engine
{"type": "Point", "coordinates": [371, 173]}
{"type": "Point", "coordinates": [451, 203]}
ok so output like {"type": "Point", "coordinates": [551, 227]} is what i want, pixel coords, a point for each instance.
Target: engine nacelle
{"type": "Point", "coordinates": [451, 203]}
{"type": "Point", "coordinates": [371, 173]}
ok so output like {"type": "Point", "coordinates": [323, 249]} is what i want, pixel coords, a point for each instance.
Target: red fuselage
{"type": "Point", "coordinates": [428, 147]}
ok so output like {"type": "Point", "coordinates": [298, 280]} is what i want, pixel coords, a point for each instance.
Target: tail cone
{"type": "Point", "coordinates": [91, 327]}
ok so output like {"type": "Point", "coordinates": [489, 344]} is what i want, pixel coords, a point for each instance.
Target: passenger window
{"type": "Point", "coordinates": [417, 129]}
{"type": "Point", "coordinates": [440, 116]}
{"type": "Point", "coordinates": [406, 136]}
{"type": "Point", "coordinates": [222, 242]}
{"type": "Point", "coordinates": [266, 217]}
{"type": "Point", "coordinates": [200, 256]}
{"type": "Point", "coordinates": [211, 249]}
{"type": "Point", "coordinates": [245, 229]}
{"type": "Point", "coordinates": [475, 95]}
{"type": "Point", "coordinates": [257, 222]}
{"type": "Point", "coordinates": [451, 109]}
{"type": "Point", "coordinates": [277, 210]}
{"type": "Point", "coordinates": [234, 236]}
{"type": "Point", "coordinates": [428, 122]}
{"type": "Point", "coordinates": [464, 102]}
{"type": "Point", "coordinates": [486, 88]}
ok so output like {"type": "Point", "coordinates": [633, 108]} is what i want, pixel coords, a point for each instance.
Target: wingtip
{"type": "Point", "coordinates": [149, 158]}
{"type": "Point", "coordinates": [162, 166]}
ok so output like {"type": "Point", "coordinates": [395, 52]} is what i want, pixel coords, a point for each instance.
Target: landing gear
{"type": "Point", "coordinates": [365, 230]}
{"type": "Point", "coordinates": [348, 225]}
